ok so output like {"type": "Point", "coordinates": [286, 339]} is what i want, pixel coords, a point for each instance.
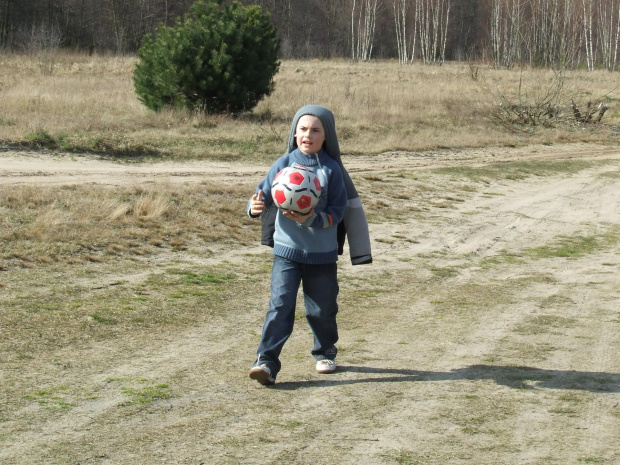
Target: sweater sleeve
{"type": "Point", "coordinates": [333, 212]}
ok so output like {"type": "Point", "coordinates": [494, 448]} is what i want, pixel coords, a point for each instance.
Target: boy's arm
{"type": "Point", "coordinates": [336, 204]}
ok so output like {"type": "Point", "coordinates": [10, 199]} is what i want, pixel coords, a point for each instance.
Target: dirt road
{"type": "Point", "coordinates": [483, 333]}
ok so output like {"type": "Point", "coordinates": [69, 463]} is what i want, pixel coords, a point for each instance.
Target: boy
{"type": "Point", "coordinates": [305, 249]}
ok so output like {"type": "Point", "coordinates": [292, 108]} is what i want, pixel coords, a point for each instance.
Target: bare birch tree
{"type": "Point", "coordinates": [363, 22]}
{"type": "Point", "coordinates": [414, 35]}
{"type": "Point", "coordinates": [432, 17]}
{"type": "Point", "coordinates": [506, 31]}
{"type": "Point", "coordinates": [608, 27]}
{"type": "Point", "coordinates": [496, 33]}
{"type": "Point", "coordinates": [543, 32]}
{"type": "Point", "coordinates": [443, 33]}
{"type": "Point", "coordinates": [548, 33]}
{"type": "Point", "coordinates": [570, 38]}
{"type": "Point", "coordinates": [588, 20]}
{"type": "Point", "coordinates": [400, 23]}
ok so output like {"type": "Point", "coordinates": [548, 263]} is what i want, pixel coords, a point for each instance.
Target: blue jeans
{"type": "Point", "coordinates": [320, 287]}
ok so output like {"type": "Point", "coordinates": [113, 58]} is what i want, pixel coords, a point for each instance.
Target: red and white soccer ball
{"type": "Point", "coordinates": [296, 188]}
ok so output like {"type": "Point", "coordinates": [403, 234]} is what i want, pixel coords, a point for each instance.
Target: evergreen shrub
{"type": "Point", "coordinates": [216, 60]}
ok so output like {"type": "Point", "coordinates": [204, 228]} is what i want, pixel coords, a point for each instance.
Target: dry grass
{"type": "Point", "coordinates": [88, 104]}
{"type": "Point", "coordinates": [76, 224]}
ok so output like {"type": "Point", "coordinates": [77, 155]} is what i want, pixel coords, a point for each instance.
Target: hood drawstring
{"type": "Point", "coordinates": [320, 166]}
{"type": "Point", "coordinates": [319, 162]}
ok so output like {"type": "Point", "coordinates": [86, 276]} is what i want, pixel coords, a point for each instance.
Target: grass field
{"type": "Point", "coordinates": [87, 104]}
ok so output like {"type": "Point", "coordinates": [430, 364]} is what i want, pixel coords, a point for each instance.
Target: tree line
{"type": "Point", "coordinates": [545, 33]}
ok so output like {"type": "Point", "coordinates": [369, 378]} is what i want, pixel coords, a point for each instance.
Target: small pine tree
{"type": "Point", "coordinates": [217, 60]}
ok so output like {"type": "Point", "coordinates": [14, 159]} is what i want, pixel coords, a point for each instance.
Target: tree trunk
{"type": "Point", "coordinates": [587, 33]}
{"type": "Point", "coordinates": [362, 35]}
{"type": "Point", "coordinates": [400, 23]}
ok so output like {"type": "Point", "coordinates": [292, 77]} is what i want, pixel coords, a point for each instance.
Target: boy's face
{"type": "Point", "coordinates": [309, 134]}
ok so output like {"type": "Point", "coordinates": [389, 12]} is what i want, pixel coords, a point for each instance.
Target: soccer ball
{"type": "Point", "coordinates": [296, 188]}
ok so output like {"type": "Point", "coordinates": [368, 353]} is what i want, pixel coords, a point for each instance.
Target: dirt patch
{"type": "Point", "coordinates": [485, 332]}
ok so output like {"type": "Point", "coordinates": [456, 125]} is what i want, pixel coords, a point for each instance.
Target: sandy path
{"type": "Point", "coordinates": [32, 167]}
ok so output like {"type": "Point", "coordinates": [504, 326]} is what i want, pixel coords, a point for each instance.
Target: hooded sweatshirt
{"type": "Point", "coordinates": [316, 240]}
{"type": "Point", "coordinates": [354, 226]}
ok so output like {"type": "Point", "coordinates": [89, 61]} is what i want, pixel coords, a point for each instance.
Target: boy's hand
{"type": "Point", "coordinates": [298, 217]}
{"type": "Point", "coordinates": [257, 206]}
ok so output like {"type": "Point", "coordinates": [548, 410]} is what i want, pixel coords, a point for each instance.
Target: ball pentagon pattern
{"type": "Point", "coordinates": [296, 188]}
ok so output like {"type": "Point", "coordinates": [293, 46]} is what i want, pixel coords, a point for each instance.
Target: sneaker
{"type": "Point", "coordinates": [262, 374]}
{"type": "Point", "coordinates": [325, 366]}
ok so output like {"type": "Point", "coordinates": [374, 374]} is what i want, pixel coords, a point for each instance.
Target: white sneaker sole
{"type": "Point", "coordinates": [325, 369]}
{"type": "Point", "coordinates": [260, 375]}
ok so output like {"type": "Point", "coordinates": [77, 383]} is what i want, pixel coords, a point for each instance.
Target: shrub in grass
{"type": "Point", "coordinates": [43, 139]}
{"type": "Point", "coordinates": [217, 60]}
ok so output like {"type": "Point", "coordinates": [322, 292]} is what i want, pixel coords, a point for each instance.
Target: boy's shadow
{"type": "Point", "coordinates": [512, 376]}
